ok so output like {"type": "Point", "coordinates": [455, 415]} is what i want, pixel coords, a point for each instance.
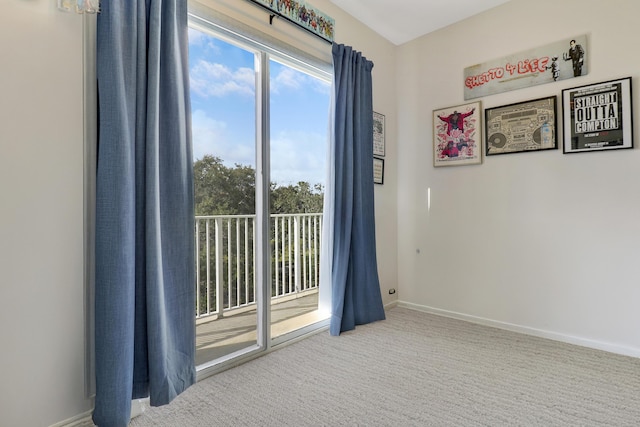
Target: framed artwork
{"type": "Point", "coordinates": [520, 127]}
{"type": "Point", "coordinates": [378, 134]}
{"type": "Point", "coordinates": [378, 171]}
{"type": "Point", "coordinates": [457, 135]}
{"type": "Point", "coordinates": [597, 117]}
{"type": "Point", "coordinates": [313, 20]}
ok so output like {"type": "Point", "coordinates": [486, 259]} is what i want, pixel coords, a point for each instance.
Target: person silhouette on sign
{"type": "Point", "coordinates": [555, 68]}
{"type": "Point", "coordinates": [576, 55]}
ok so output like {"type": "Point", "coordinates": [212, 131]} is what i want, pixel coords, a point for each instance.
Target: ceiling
{"type": "Point", "coordinates": [400, 21]}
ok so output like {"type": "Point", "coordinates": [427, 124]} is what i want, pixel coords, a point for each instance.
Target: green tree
{"type": "Point", "coordinates": [220, 190]}
{"type": "Point", "coordinates": [300, 198]}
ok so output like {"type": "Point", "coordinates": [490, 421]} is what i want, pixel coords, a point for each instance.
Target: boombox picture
{"type": "Point", "coordinates": [525, 126]}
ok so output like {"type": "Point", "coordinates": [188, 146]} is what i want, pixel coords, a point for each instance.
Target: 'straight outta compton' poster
{"type": "Point", "coordinates": [598, 117]}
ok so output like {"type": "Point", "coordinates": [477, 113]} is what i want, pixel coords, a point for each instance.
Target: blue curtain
{"type": "Point", "coordinates": [355, 298]}
{"type": "Point", "coordinates": [144, 284]}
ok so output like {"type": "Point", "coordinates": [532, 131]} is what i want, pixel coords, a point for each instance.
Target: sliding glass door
{"type": "Point", "coordinates": [259, 122]}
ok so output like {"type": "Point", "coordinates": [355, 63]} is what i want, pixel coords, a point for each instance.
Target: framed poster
{"type": "Point", "coordinates": [378, 134]}
{"type": "Point", "coordinates": [523, 126]}
{"type": "Point", "coordinates": [312, 20]}
{"type": "Point", "coordinates": [597, 117]}
{"type": "Point", "coordinates": [457, 135]}
{"type": "Point", "coordinates": [378, 171]}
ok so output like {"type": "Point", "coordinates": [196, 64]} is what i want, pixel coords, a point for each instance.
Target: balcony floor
{"type": "Point", "coordinates": [237, 330]}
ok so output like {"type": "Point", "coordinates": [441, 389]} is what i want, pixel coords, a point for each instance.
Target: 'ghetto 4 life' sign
{"type": "Point", "coordinates": [557, 61]}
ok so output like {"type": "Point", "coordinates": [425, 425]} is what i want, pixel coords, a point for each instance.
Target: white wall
{"type": "Point", "coordinates": [41, 191]}
{"type": "Point", "coordinates": [540, 242]}
{"type": "Point", "coordinates": [41, 215]}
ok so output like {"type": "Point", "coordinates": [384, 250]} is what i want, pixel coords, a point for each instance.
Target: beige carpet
{"type": "Point", "coordinates": [416, 369]}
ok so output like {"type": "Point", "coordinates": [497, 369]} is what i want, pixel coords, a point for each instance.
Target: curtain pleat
{"type": "Point", "coordinates": [145, 274]}
{"type": "Point", "coordinates": [356, 297]}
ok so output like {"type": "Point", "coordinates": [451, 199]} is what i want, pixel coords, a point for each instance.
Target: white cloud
{"type": "Point", "coordinates": [211, 136]}
{"type": "Point", "coordinates": [202, 40]}
{"type": "Point", "coordinates": [321, 86]}
{"type": "Point", "coordinates": [287, 78]}
{"type": "Point", "coordinates": [212, 79]}
{"type": "Point", "coordinates": [196, 38]}
{"type": "Point", "coordinates": [298, 156]}
{"type": "Point", "coordinates": [205, 133]}
{"type": "Point", "coordinates": [291, 79]}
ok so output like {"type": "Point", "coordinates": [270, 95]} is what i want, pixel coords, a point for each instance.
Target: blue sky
{"type": "Point", "coordinates": [223, 111]}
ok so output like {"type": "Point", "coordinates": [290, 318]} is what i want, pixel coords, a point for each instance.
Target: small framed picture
{"type": "Point", "coordinates": [597, 117]}
{"type": "Point", "coordinates": [521, 127]}
{"type": "Point", "coordinates": [378, 171]}
{"type": "Point", "coordinates": [457, 135]}
{"type": "Point", "coordinates": [378, 134]}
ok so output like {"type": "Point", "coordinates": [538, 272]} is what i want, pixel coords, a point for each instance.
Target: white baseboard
{"type": "Point", "coordinates": [583, 342]}
{"type": "Point", "coordinates": [138, 406]}
{"type": "Point", "coordinates": [81, 420]}
{"type": "Point", "coordinates": [391, 304]}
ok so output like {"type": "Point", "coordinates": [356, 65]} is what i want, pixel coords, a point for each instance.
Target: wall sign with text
{"type": "Point", "coordinates": [557, 61]}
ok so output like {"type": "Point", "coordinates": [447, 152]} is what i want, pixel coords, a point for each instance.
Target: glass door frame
{"type": "Point", "coordinates": [207, 20]}
{"type": "Point", "coordinates": [261, 145]}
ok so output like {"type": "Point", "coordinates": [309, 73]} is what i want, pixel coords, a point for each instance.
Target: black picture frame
{"type": "Point", "coordinates": [378, 171]}
{"type": "Point", "coordinates": [378, 134]}
{"type": "Point", "coordinates": [521, 127]}
{"type": "Point", "coordinates": [598, 117]}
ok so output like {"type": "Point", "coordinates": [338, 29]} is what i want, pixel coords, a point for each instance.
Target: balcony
{"type": "Point", "coordinates": [226, 285]}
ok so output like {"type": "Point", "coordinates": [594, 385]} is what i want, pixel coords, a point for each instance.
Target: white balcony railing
{"type": "Point", "coordinates": [226, 259]}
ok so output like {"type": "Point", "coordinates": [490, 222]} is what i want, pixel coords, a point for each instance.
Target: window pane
{"type": "Point", "coordinates": [223, 125]}
{"type": "Point", "coordinates": [299, 110]}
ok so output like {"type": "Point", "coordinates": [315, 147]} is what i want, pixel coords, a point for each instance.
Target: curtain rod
{"type": "Point", "coordinates": [275, 14]}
